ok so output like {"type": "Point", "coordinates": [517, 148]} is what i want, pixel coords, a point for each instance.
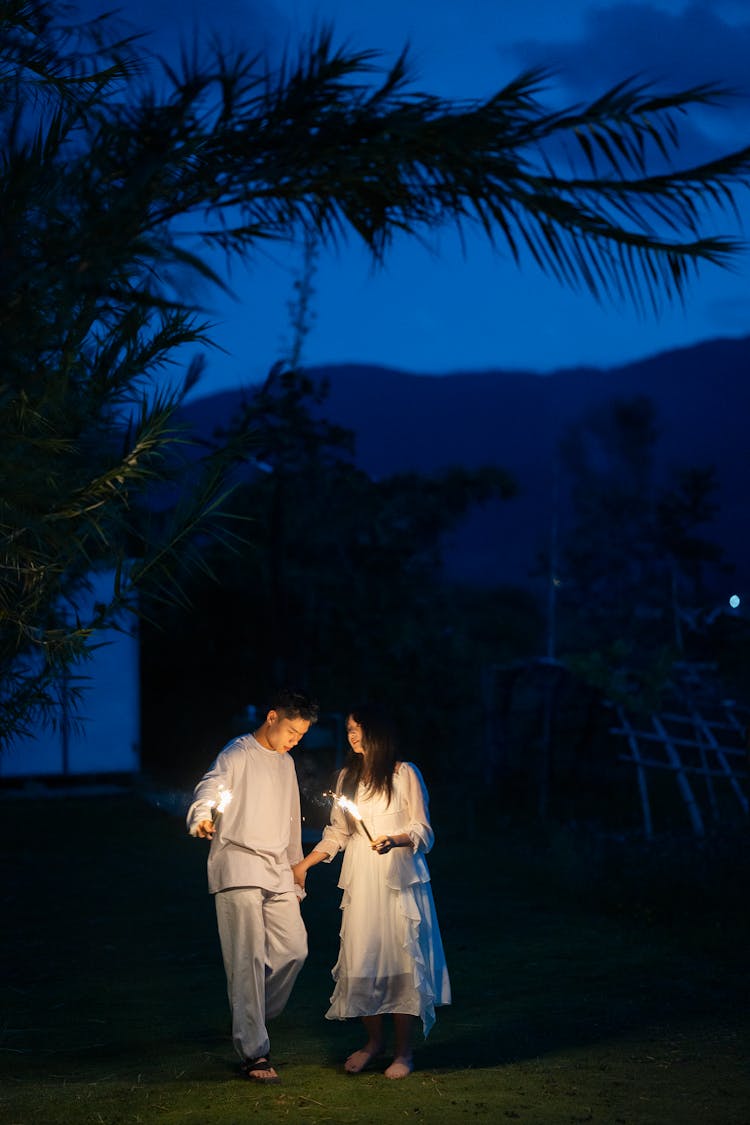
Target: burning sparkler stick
{"type": "Point", "coordinates": [349, 807]}
{"type": "Point", "coordinates": [218, 807]}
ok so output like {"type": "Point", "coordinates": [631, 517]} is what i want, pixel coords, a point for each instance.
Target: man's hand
{"type": "Point", "coordinates": [205, 829]}
{"type": "Point", "coordinates": [299, 871]}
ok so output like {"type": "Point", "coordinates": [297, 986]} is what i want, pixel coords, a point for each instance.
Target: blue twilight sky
{"type": "Point", "coordinates": [447, 311]}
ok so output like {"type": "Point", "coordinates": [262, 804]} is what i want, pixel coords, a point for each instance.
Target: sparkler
{"type": "Point", "coordinates": [218, 807]}
{"type": "Point", "coordinates": [349, 807]}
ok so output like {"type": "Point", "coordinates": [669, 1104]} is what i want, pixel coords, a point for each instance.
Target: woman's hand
{"type": "Point", "coordinates": [383, 844]}
{"type": "Point", "coordinates": [299, 870]}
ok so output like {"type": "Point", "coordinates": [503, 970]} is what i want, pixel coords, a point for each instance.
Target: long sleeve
{"type": "Point", "coordinates": [416, 800]}
{"type": "Point", "coordinates": [208, 791]}
{"type": "Point", "coordinates": [294, 849]}
{"type": "Point", "coordinates": [336, 835]}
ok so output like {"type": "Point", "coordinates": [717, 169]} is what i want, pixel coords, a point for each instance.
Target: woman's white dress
{"type": "Point", "coordinates": [391, 954]}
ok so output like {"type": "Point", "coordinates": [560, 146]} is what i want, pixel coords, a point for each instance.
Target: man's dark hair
{"type": "Point", "coordinates": [294, 704]}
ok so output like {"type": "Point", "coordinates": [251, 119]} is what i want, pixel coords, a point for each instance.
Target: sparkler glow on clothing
{"type": "Point", "coordinates": [217, 808]}
{"type": "Point", "coordinates": [349, 807]}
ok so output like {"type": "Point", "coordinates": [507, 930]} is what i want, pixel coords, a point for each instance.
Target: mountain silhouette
{"type": "Point", "coordinates": [515, 419]}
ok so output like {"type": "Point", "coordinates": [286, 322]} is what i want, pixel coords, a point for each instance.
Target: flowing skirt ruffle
{"type": "Point", "coordinates": [391, 956]}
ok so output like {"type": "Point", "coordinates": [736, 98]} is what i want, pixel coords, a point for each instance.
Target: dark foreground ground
{"type": "Point", "coordinates": [114, 1008]}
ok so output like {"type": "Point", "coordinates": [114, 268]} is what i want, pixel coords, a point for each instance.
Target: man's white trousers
{"type": "Point", "coordinates": [264, 946]}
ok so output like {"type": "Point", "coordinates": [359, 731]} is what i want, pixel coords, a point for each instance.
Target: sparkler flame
{"type": "Point", "coordinates": [218, 807]}
{"type": "Point", "coordinates": [350, 807]}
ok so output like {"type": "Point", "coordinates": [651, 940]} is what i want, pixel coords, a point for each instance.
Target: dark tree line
{"type": "Point", "coordinates": [339, 588]}
{"type": "Point", "coordinates": [639, 573]}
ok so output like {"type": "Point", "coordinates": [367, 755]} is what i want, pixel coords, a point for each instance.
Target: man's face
{"type": "Point", "coordinates": [283, 733]}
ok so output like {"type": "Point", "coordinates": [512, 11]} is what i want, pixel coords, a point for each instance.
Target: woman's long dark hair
{"type": "Point", "coordinates": [375, 767]}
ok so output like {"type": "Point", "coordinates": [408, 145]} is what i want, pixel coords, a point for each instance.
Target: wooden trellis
{"type": "Point", "coordinates": [705, 748]}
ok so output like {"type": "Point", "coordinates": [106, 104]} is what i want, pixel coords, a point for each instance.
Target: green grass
{"type": "Point", "coordinates": [114, 1005]}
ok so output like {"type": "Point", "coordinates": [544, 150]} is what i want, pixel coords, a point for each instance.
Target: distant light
{"type": "Point", "coordinates": [734, 601]}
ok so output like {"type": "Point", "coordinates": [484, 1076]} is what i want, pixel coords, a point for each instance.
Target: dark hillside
{"type": "Point", "coordinates": [515, 419]}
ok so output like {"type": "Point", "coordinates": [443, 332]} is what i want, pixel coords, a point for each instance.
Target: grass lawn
{"type": "Point", "coordinates": [114, 1005]}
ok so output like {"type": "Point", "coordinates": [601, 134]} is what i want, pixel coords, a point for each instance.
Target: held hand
{"type": "Point", "coordinates": [205, 829]}
{"type": "Point", "coordinates": [383, 844]}
{"type": "Point", "coordinates": [299, 871]}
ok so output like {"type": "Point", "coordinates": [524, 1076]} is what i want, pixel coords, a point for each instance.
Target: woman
{"type": "Point", "coordinates": [391, 957]}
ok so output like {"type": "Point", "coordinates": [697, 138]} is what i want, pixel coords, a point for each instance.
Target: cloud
{"type": "Point", "coordinates": [671, 49]}
{"type": "Point", "coordinates": [674, 49]}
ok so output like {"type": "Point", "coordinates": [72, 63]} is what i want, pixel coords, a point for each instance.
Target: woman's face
{"type": "Point", "coordinates": [354, 734]}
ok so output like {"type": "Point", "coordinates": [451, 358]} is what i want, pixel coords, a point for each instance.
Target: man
{"type": "Point", "coordinates": [248, 806]}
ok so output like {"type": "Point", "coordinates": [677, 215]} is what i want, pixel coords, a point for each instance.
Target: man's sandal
{"type": "Point", "coordinates": [259, 1070]}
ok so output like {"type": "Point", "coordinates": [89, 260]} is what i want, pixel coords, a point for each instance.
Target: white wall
{"type": "Point", "coordinates": [105, 739]}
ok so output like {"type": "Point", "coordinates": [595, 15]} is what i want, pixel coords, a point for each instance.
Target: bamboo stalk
{"type": "Point", "coordinates": [683, 784]}
{"type": "Point", "coordinates": [730, 774]}
{"type": "Point", "coordinates": [648, 827]}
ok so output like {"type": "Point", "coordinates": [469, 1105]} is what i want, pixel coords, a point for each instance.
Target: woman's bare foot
{"type": "Point", "coordinates": [362, 1058]}
{"type": "Point", "coordinates": [401, 1067]}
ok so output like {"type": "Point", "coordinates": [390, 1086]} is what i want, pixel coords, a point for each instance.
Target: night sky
{"type": "Point", "coordinates": [443, 311]}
